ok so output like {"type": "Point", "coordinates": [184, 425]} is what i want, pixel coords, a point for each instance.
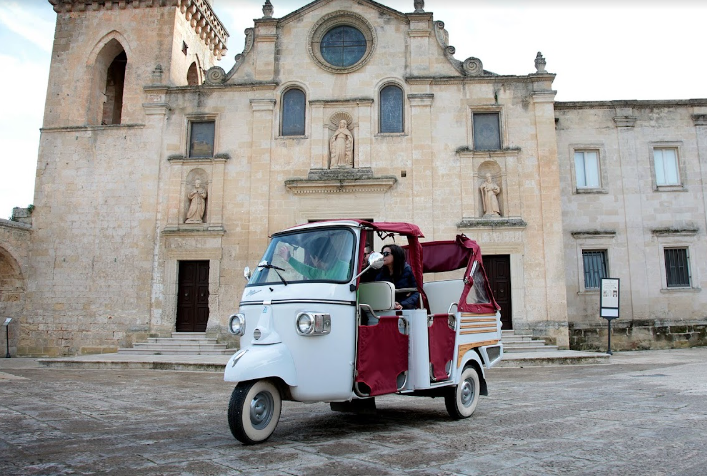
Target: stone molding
{"type": "Point", "coordinates": [485, 79]}
{"type": "Point", "coordinates": [700, 119]}
{"type": "Point", "coordinates": [340, 181]}
{"type": "Point", "coordinates": [198, 13]}
{"type": "Point", "coordinates": [687, 231]}
{"type": "Point", "coordinates": [90, 128]}
{"type": "Point", "coordinates": [647, 104]}
{"type": "Point", "coordinates": [625, 121]}
{"type": "Point", "coordinates": [505, 223]}
{"type": "Point", "coordinates": [590, 234]}
{"type": "Point", "coordinates": [200, 229]}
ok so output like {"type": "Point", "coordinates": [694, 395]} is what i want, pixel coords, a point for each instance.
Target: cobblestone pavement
{"type": "Point", "coordinates": [644, 413]}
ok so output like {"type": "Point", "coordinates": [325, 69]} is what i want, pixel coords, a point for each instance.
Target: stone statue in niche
{"type": "Point", "coordinates": [341, 146]}
{"type": "Point", "coordinates": [197, 203]}
{"type": "Point", "coordinates": [489, 192]}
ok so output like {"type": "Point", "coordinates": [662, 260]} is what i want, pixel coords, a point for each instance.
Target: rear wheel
{"type": "Point", "coordinates": [461, 400]}
{"type": "Point", "coordinates": [254, 411]}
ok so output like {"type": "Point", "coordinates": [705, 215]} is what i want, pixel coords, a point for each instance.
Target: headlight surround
{"type": "Point", "coordinates": [236, 324]}
{"type": "Point", "coordinates": [313, 323]}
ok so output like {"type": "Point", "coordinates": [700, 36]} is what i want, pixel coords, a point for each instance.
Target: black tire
{"type": "Point", "coordinates": [462, 399]}
{"type": "Point", "coordinates": [254, 411]}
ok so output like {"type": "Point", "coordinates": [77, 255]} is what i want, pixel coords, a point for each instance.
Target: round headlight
{"type": "Point", "coordinates": [236, 324]}
{"type": "Point", "coordinates": [305, 323]}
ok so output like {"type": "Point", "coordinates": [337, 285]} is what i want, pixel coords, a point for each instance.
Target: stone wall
{"type": "Point", "coordinates": [14, 266]}
{"type": "Point", "coordinates": [639, 335]}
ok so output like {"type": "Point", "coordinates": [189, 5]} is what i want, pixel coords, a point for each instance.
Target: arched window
{"type": "Point", "coordinates": [193, 75]}
{"type": "Point", "coordinates": [293, 112]}
{"type": "Point", "coordinates": [391, 109]}
{"type": "Point", "coordinates": [115, 81]}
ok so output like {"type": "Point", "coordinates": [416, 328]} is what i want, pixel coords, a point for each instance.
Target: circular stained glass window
{"type": "Point", "coordinates": [343, 46]}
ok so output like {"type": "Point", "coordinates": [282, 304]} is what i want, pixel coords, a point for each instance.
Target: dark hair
{"type": "Point", "coordinates": [398, 259]}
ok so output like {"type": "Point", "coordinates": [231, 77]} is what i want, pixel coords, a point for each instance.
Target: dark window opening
{"type": "Point", "coordinates": [594, 268]}
{"type": "Point", "coordinates": [184, 47]}
{"type": "Point", "coordinates": [677, 268]}
{"type": "Point", "coordinates": [391, 109]}
{"type": "Point", "coordinates": [293, 112]}
{"type": "Point", "coordinates": [487, 131]}
{"type": "Point", "coordinates": [201, 139]}
{"type": "Point", "coordinates": [113, 92]}
{"type": "Point", "coordinates": [193, 75]}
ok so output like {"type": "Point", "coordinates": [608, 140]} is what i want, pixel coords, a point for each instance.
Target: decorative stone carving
{"type": "Point", "coordinates": [341, 143]}
{"type": "Point", "coordinates": [215, 75]}
{"type": "Point", "coordinates": [540, 63]}
{"type": "Point", "coordinates": [419, 6]}
{"type": "Point", "coordinates": [268, 9]}
{"type": "Point", "coordinates": [489, 192]}
{"type": "Point", "coordinates": [197, 203]}
{"type": "Point", "coordinates": [473, 67]}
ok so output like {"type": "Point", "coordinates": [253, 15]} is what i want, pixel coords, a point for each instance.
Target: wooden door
{"type": "Point", "coordinates": [193, 296]}
{"type": "Point", "coordinates": [498, 272]}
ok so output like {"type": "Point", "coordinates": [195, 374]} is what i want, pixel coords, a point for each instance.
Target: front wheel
{"type": "Point", "coordinates": [254, 411]}
{"type": "Point", "coordinates": [461, 401]}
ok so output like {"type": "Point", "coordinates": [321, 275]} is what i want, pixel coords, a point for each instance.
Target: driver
{"type": "Point", "coordinates": [323, 258]}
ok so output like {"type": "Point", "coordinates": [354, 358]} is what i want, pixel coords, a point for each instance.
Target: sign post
{"type": "Point", "coordinates": [7, 336]}
{"type": "Point", "coordinates": [609, 305]}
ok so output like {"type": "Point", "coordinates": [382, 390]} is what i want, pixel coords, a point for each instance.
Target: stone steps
{"type": "Point", "coordinates": [517, 343]}
{"type": "Point", "coordinates": [181, 343]}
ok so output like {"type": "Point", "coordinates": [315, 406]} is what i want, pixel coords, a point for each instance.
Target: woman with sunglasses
{"type": "Point", "coordinates": [395, 270]}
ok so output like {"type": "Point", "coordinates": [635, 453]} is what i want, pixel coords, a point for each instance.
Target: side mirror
{"type": "Point", "coordinates": [375, 260]}
{"type": "Point", "coordinates": [246, 273]}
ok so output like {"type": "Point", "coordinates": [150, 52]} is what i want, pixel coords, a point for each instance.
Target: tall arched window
{"type": "Point", "coordinates": [115, 81]}
{"type": "Point", "coordinates": [391, 109]}
{"type": "Point", "coordinates": [107, 84]}
{"type": "Point", "coordinates": [293, 112]}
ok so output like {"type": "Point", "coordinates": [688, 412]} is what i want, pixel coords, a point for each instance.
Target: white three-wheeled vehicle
{"type": "Point", "coordinates": [311, 331]}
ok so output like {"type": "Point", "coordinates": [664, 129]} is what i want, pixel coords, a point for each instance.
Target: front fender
{"type": "Point", "coordinates": [464, 361]}
{"type": "Point", "coordinates": [261, 361]}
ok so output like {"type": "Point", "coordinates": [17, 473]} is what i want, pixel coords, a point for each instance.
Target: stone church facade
{"type": "Point", "coordinates": [161, 175]}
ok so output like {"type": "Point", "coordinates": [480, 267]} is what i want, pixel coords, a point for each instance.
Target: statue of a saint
{"type": "Point", "coordinates": [341, 146]}
{"type": "Point", "coordinates": [489, 190]}
{"type": "Point", "coordinates": [197, 205]}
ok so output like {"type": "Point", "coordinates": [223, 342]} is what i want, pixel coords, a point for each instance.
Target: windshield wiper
{"type": "Point", "coordinates": [277, 269]}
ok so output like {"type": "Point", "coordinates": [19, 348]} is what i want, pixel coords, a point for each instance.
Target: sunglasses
{"type": "Point", "coordinates": [387, 253]}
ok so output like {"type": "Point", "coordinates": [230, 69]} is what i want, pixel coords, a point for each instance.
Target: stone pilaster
{"type": "Point", "coordinates": [261, 155]}
{"type": "Point", "coordinates": [422, 162]}
{"type": "Point", "coordinates": [630, 172]}
{"type": "Point", "coordinates": [551, 217]}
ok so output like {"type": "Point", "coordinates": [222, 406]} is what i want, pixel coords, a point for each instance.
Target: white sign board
{"type": "Point", "coordinates": [7, 321]}
{"type": "Point", "coordinates": [610, 293]}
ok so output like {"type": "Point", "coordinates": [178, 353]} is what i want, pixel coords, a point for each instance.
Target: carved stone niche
{"type": "Point", "coordinates": [491, 189]}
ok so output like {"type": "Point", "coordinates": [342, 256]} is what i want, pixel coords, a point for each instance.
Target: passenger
{"type": "Point", "coordinates": [322, 255]}
{"type": "Point", "coordinates": [395, 270]}
{"type": "Point", "coordinates": [371, 273]}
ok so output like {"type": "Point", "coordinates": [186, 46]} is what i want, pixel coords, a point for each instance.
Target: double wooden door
{"type": "Point", "coordinates": [193, 297]}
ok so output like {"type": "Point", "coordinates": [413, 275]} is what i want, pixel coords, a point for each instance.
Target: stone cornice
{"type": "Point", "coordinates": [625, 121]}
{"type": "Point", "coordinates": [341, 102]}
{"type": "Point", "coordinates": [470, 153]}
{"type": "Point", "coordinates": [492, 79]}
{"type": "Point", "coordinates": [700, 119]}
{"type": "Point", "coordinates": [687, 231]}
{"type": "Point", "coordinates": [90, 128]}
{"type": "Point", "coordinates": [647, 104]}
{"type": "Point", "coordinates": [198, 13]}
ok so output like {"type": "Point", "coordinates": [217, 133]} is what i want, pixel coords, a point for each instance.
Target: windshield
{"type": "Point", "coordinates": [310, 255]}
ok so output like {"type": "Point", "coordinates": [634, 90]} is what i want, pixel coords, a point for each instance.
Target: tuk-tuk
{"type": "Point", "coordinates": [311, 331]}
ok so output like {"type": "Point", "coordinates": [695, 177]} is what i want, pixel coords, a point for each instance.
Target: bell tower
{"type": "Point", "coordinates": [106, 51]}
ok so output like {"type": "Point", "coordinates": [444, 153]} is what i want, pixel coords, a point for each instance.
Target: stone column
{"type": "Point", "coordinates": [420, 33]}
{"type": "Point", "coordinates": [215, 211]}
{"type": "Point", "coordinates": [550, 216]}
{"type": "Point", "coordinates": [422, 162]}
{"type": "Point", "coordinates": [700, 120]}
{"type": "Point", "coordinates": [261, 155]}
